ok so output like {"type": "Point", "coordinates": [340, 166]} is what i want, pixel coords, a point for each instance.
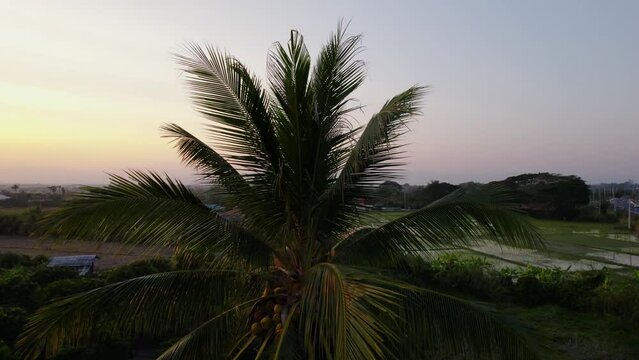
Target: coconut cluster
{"type": "Point", "coordinates": [267, 314]}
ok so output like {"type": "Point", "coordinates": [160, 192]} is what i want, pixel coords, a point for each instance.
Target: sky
{"type": "Point", "coordinates": [515, 86]}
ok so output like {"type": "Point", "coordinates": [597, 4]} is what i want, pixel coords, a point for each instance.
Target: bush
{"type": "Point", "coordinates": [471, 275]}
{"type": "Point", "coordinates": [11, 321]}
{"type": "Point", "coordinates": [17, 288]}
{"type": "Point", "coordinates": [530, 291]}
{"type": "Point", "coordinates": [19, 224]}
{"type": "Point", "coordinates": [44, 275]}
{"type": "Point", "coordinates": [577, 289]}
{"type": "Point", "coordinates": [67, 287]}
{"type": "Point", "coordinates": [11, 260]}
{"type": "Point", "coordinates": [138, 268]}
{"type": "Point", "coordinates": [620, 297]}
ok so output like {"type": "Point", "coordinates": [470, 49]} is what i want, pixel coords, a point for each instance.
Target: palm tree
{"type": "Point", "coordinates": [299, 274]}
{"type": "Point", "coordinates": [15, 187]}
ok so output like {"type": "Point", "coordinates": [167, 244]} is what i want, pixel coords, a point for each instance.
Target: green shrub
{"type": "Point", "coordinates": [138, 268]}
{"type": "Point", "coordinates": [11, 321]}
{"type": "Point", "coordinates": [67, 287]}
{"type": "Point", "coordinates": [620, 297]}
{"type": "Point", "coordinates": [472, 275]}
{"type": "Point", "coordinates": [44, 275]}
{"type": "Point", "coordinates": [17, 288]}
{"type": "Point", "coordinates": [530, 291]}
{"type": "Point", "coordinates": [11, 260]}
{"type": "Point", "coordinates": [19, 224]}
{"type": "Point", "coordinates": [577, 289]}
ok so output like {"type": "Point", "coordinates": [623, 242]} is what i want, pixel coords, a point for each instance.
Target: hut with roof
{"type": "Point", "coordinates": [83, 264]}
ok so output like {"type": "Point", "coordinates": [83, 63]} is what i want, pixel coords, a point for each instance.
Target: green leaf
{"type": "Point", "coordinates": [212, 339]}
{"type": "Point", "coordinates": [151, 210]}
{"type": "Point", "coordinates": [152, 305]}
{"type": "Point", "coordinates": [374, 158]}
{"type": "Point", "coordinates": [339, 308]}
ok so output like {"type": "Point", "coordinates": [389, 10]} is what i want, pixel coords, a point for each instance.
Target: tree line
{"type": "Point", "coordinates": [542, 195]}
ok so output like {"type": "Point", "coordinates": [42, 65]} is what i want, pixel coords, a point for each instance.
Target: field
{"type": "Point", "coordinates": [570, 245]}
{"type": "Point", "coordinates": [110, 254]}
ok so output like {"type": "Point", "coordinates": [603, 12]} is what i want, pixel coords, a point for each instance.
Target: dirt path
{"type": "Point", "coordinates": [111, 254]}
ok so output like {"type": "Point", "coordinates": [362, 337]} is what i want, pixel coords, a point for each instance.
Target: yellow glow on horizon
{"type": "Point", "coordinates": [49, 128]}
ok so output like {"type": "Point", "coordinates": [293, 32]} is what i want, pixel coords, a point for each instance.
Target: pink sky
{"type": "Point", "coordinates": [534, 87]}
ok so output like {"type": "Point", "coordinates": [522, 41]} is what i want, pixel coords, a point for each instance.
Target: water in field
{"type": "Point", "coordinates": [506, 256]}
{"type": "Point", "coordinates": [616, 257]}
{"type": "Point", "coordinates": [623, 237]}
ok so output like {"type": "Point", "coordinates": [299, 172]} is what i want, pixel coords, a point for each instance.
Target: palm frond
{"type": "Point", "coordinates": [153, 305]}
{"type": "Point", "coordinates": [224, 91]}
{"type": "Point", "coordinates": [151, 210]}
{"type": "Point", "coordinates": [288, 72]}
{"type": "Point", "coordinates": [256, 202]}
{"type": "Point", "coordinates": [465, 217]}
{"type": "Point", "coordinates": [209, 164]}
{"type": "Point", "coordinates": [336, 75]}
{"type": "Point", "coordinates": [214, 338]}
{"type": "Point", "coordinates": [338, 308]}
{"type": "Point", "coordinates": [374, 157]}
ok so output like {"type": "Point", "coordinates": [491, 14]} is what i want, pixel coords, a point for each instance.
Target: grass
{"type": "Point", "coordinates": [605, 235]}
{"type": "Point", "coordinates": [568, 334]}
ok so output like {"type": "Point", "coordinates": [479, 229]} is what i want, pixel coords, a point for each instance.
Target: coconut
{"type": "Point", "coordinates": [277, 318]}
{"type": "Point", "coordinates": [266, 322]}
{"type": "Point", "coordinates": [277, 309]}
{"type": "Point", "coordinates": [256, 328]}
{"type": "Point", "coordinates": [279, 328]}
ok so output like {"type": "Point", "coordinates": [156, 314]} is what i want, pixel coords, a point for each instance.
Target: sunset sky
{"type": "Point", "coordinates": [515, 86]}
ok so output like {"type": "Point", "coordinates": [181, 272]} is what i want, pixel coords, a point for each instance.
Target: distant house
{"type": "Point", "coordinates": [82, 263]}
{"type": "Point", "coordinates": [622, 204]}
{"type": "Point", "coordinates": [4, 197]}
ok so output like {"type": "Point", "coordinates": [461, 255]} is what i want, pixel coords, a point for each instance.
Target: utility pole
{"type": "Point", "coordinates": [631, 205]}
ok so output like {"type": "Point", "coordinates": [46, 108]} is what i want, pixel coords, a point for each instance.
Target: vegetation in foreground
{"type": "Point", "coordinates": [574, 315]}
{"type": "Point", "coordinates": [293, 273]}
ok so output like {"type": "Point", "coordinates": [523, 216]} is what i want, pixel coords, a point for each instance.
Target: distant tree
{"type": "Point", "coordinates": [549, 195]}
{"type": "Point", "coordinates": [390, 194]}
{"type": "Point", "coordinates": [566, 197]}
{"type": "Point", "coordinates": [15, 187]}
{"type": "Point", "coordinates": [433, 191]}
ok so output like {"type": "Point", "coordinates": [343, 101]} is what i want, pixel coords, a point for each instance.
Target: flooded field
{"type": "Point", "coordinates": [570, 245]}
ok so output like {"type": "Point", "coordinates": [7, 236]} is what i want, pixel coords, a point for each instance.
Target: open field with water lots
{"type": "Point", "coordinates": [573, 245]}
{"type": "Point", "coordinates": [570, 245]}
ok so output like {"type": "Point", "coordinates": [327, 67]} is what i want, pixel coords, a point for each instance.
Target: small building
{"type": "Point", "coordinates": [82, 263]}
